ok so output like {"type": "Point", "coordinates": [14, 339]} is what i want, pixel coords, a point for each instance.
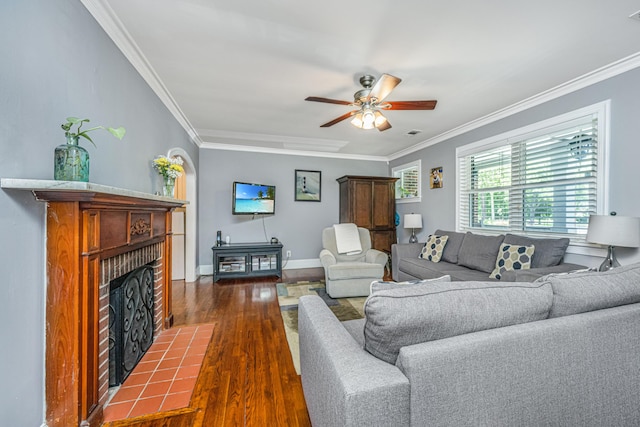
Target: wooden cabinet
{"type": "Point", "coordinates": [247, 260]}
{"type": "Point", "coordinates": [370, 202]}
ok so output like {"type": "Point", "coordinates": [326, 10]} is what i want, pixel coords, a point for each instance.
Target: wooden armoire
{"type": "Point", "coordinates": [370, 202]}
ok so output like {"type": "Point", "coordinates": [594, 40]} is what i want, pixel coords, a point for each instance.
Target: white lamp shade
{"type": "Point", "coordinates": [413, 221]}
{"type": "Point", "coordinates": [614, 230]}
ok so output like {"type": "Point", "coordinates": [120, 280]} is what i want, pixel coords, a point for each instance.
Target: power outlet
{"type": "Point", "coordinates": [288, 254]}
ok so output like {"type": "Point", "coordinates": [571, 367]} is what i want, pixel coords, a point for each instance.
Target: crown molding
{"type": "Point", "coordinates": [108, 20]}
{"type": "Point", "coordinates": [615, 68]}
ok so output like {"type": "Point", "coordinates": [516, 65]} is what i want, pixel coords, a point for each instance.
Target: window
{"type": "Point", "coordinates": [408, 187]}
{"type": "Point", "coordinates": [545, 179]}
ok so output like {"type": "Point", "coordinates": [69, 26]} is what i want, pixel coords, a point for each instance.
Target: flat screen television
{"type": "Point", "coordinates": [253, 199]}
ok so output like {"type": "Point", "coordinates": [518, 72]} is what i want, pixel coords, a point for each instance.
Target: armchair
{"type": "Point", "coordinates": [350, 275]}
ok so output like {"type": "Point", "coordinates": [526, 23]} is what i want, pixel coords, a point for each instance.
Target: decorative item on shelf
{"type": "Point", "coordinates": [71, 161]}
{"type": "Point", "coordinates": [413, 221]}
{"type": "Point", "coordinates": [613, 230]}
{"type": "Point", "coordinates": [169, 169]}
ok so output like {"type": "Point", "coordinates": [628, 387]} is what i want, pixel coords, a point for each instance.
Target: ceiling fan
{"type": "Point", "coordinates": [370, 101]}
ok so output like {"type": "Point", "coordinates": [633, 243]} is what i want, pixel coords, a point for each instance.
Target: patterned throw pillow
{"type": "Point", "coordinates": [512, 257]}
{"type": "Point", "coordinates": [432, 250]}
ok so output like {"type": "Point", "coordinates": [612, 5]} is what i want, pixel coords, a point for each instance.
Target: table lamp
{"type": "Point", "coordinates": [413, 221]}
{"type": "Point", "coordinates": [613, 230]}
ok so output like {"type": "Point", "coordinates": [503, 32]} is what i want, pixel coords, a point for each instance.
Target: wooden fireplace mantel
{"type": "Point", "coordinates": [87, 223]}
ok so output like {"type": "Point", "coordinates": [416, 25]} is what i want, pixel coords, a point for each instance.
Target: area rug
{"type": "Point", "coordinates": [288, 295]}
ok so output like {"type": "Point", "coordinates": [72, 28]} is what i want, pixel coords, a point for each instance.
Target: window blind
{"type": "Point", "coordinates": [544, 182]}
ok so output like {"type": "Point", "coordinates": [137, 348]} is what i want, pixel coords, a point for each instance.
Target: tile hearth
{"type": "Point", "coordinates": [165, 377]}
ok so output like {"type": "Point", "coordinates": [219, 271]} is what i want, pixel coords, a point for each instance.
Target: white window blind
{"type": "Point", "coordinates": [544, 182]}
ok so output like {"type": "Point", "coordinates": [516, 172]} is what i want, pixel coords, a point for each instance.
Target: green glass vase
{"type": "Point", "coordinates": [71, 161]}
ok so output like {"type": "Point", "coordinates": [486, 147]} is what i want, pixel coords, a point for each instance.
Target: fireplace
{"type": "Point", "coordinates": [140, 270]}
{"type": "Point", "coordinates": [130, 322]}
{"type": "Point", "coordinates": [94, 234]}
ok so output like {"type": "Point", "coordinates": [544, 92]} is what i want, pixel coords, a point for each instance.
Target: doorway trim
{"type": "Point", "coordinates": [191, 210]}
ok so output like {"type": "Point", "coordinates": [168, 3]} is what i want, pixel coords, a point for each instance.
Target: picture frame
{"type": "Point", "coordinates": [308, 185]}
{"type": "Point", "coordinates": [435, 178]}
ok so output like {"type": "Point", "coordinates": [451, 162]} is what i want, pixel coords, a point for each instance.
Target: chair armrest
{"type": "Point", "coordinates": [403, 250]}
{"type": "Point", "coordinates": [531, 274]}
{"type": "Point", "coordinates": [343, 384]}
{"type": "Point", "coordinates": [376, 257]}
{"type": "Point", "coordinates": [327, 258]}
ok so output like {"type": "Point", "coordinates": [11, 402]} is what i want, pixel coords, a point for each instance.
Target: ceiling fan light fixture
{"type": "Point", "coordinates": [368, 117]}
{"type": "Point", "coordinates": [369, 100]}
{"type": "Point", "coordinates": [357, 120]}
{"type": "Point", "coordinates": [380, 119]}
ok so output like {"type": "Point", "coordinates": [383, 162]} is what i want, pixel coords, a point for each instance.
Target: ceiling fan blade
{"type": "Point", "coordinates": [339, 119]}
{"type": "Point", "coordinates": [327, 100]}
{"type": "Point", "coordinates": [383, 87]}
{"type": "Point", "coordinates": [410, 105]}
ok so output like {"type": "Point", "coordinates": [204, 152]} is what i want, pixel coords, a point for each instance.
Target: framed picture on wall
{"type": "Point", "coordinates": [435, 179]}
{"type": "Point", "coordinates": [308, 186]}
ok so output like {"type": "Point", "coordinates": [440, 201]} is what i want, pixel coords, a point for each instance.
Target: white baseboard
{"type": "Point", "coordinates": [292, 264]}
{"type": "Point", "coordinates": [205, 270]}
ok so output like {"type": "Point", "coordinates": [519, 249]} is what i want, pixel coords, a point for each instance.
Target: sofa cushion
{"type": "Point", "coordinates": [549, 252]}
{"type": "Point", "coordinates": [584, 291]}
{"type": "Point", "coordinates": [433, 248]}
{"type": "Point", "coordinates": [479, 252]}
{"type": "Point", "coordinates": [512, 257]}
{"type": "Point", "coordinates": [423, 269]}
{"type": "Point", "coordinates": [468, 275]}
{"type": "Point", "coordinates": [451, 249]}
{"type": "Point", "coordinates": [410, 315]}
{"type": "Point", "coordinates": [379, 285]}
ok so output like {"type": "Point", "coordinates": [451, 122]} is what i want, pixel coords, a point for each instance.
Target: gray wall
{"type": "Point", "coordinates": [438, 205]}
{"type": "Point", "coordinates": [297, 224]}
{"type": "Point", "coordinates": [57, 62]}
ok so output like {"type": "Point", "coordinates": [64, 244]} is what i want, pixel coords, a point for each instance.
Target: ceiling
{"type": "Point", "coordinates": [236, 73]}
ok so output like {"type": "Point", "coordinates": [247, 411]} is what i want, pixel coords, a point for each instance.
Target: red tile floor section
{"type": "Point", "coordinates": [165, 377]}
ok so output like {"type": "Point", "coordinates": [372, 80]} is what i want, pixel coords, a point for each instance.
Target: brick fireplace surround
{"type": "Point", "coordinates": [95, 234]}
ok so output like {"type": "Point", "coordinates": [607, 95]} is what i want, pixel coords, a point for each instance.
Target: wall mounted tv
{"type": "Point", "coordinates": [253, 199]}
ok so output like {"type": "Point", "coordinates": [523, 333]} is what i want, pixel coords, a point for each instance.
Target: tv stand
{"type": "Point", "coordinates": [236, 260]}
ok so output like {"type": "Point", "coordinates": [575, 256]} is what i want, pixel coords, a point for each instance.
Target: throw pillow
{"type": "Point", "coordinates": [432, 250]}
{"type": "Point", "coordinates": [549, 252]}
{"type": "Point", "coordinates": [512, 257]}
{"type": "Point", "coordinates": [377, 285]}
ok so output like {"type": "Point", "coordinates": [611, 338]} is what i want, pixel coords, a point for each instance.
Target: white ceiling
{"type": "Point", "coordinates": [236, 72]}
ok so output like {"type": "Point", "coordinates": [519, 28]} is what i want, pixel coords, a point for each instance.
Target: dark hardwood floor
{"type": "Point", "coordinates": [247, 378]}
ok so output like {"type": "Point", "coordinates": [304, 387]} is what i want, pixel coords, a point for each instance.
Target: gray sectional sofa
{"type": "Point", "coordinates": [563, 350]}
{"type": "Point", "coordinates": [469, 256]}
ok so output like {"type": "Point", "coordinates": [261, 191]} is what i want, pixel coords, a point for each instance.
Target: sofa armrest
{"type": "Point", "coordinates": [531, 274]}
{"type": "Point", "coordinates": [376, 257]}
{"type": "Point", "coordinates": [342, 383]}
{"type": "Point", "coordinates": [327, 258]}
{"type": "Point", "coordinates": [403, 250]}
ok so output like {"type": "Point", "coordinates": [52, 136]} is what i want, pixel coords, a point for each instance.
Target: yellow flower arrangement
{"type": "Point", "coordinates": [168, 168]}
